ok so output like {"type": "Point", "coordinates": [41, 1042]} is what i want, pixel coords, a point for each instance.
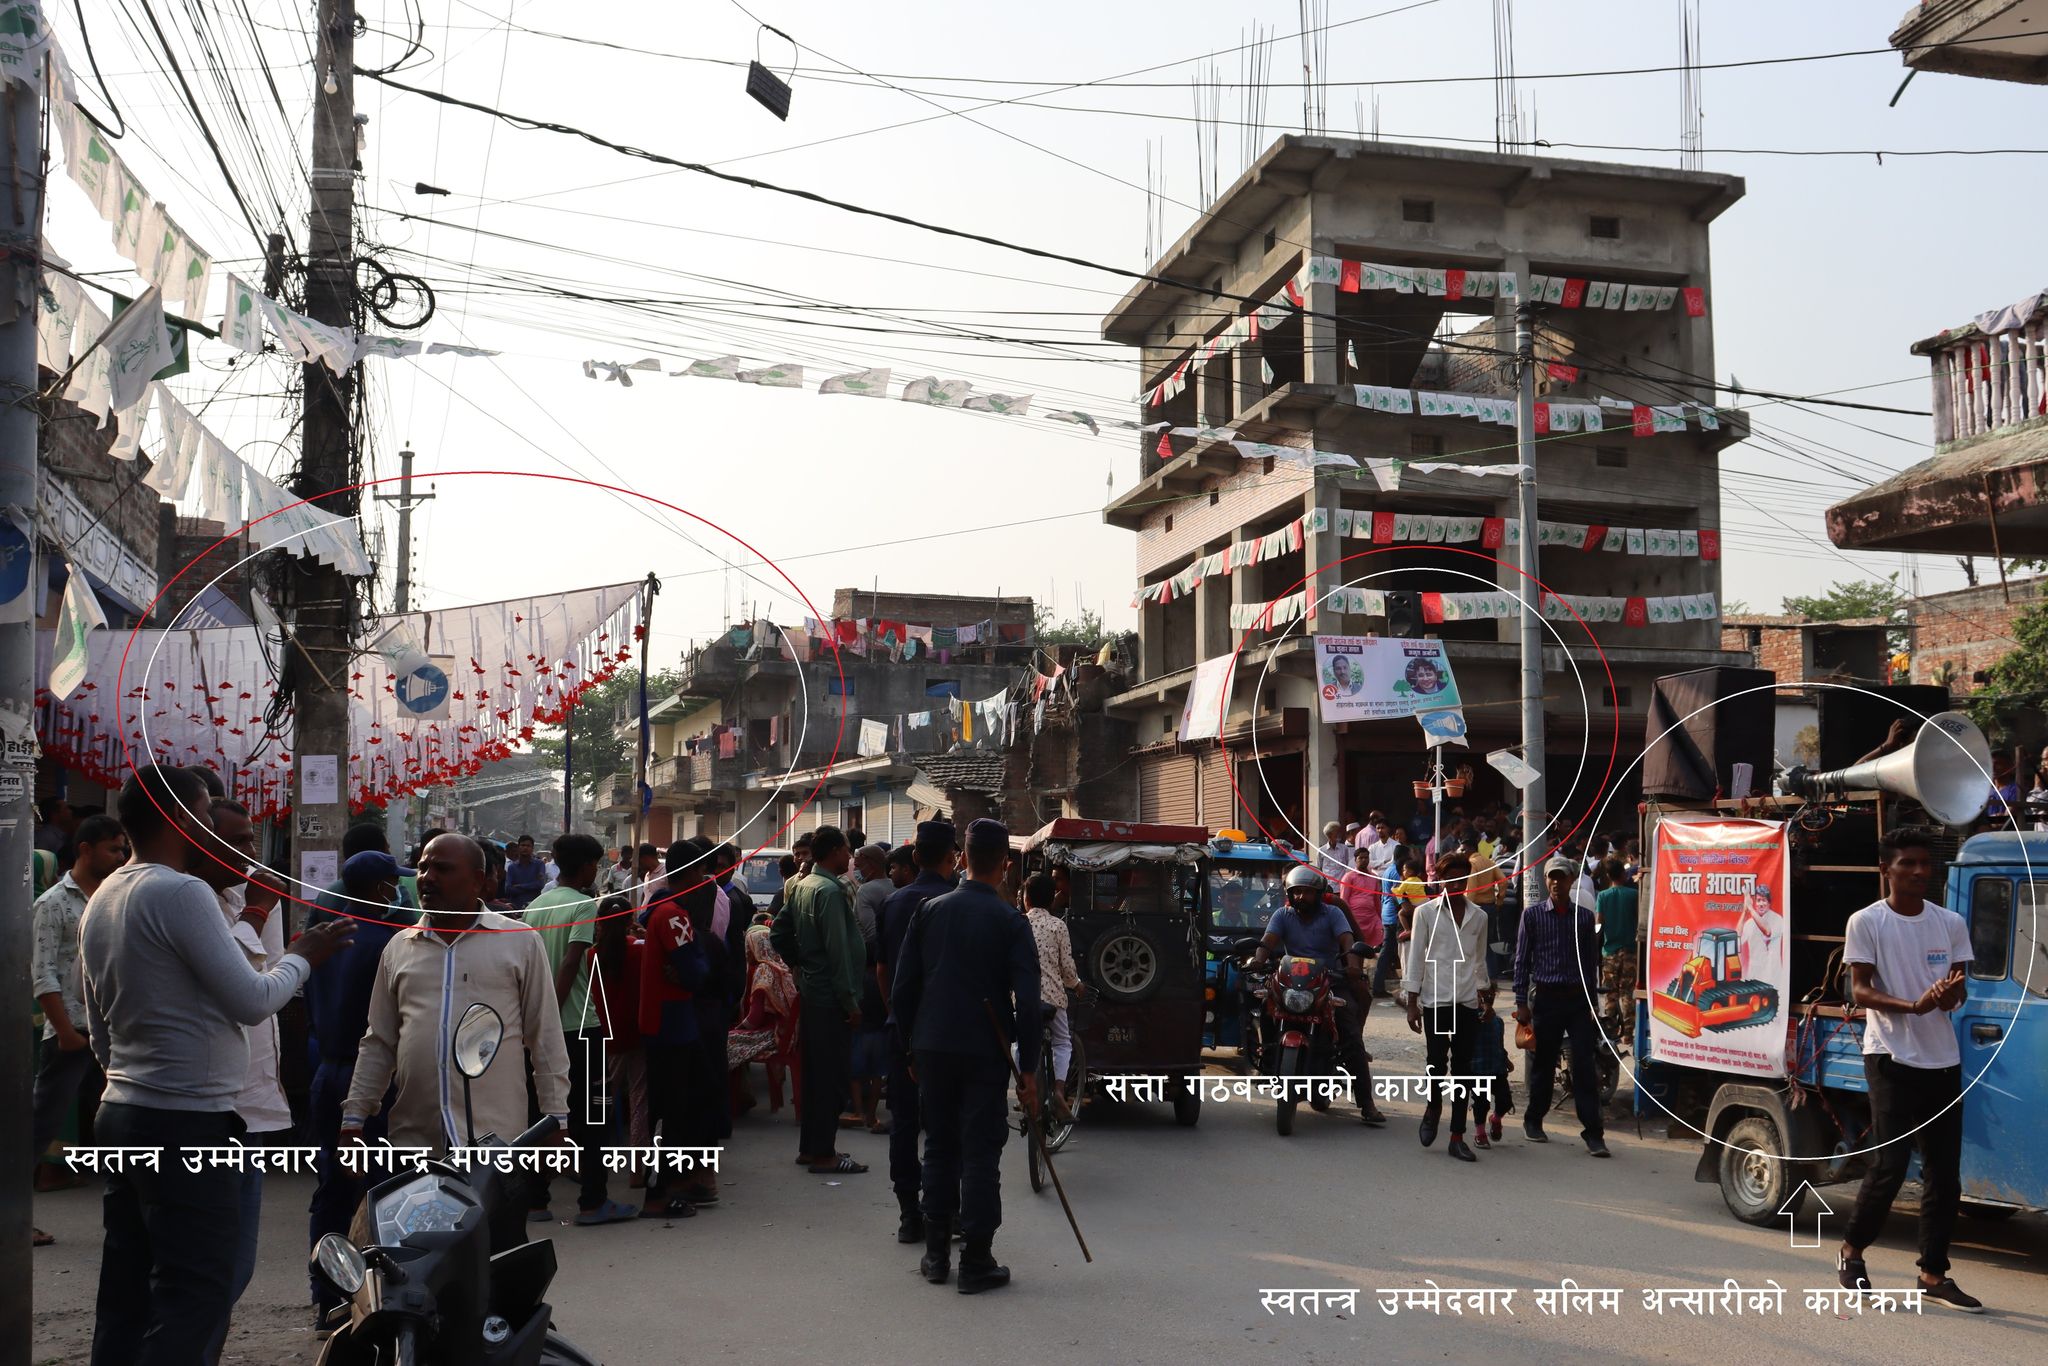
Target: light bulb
{"type": "Point", "coordinates": [329, 84]}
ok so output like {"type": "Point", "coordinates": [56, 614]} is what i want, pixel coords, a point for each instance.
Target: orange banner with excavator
{"type": "Point", "coordinates": [1718, 969]}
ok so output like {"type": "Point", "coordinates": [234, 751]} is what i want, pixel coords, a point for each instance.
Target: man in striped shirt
{"type": "Point", "coordinates": [1557, 971]}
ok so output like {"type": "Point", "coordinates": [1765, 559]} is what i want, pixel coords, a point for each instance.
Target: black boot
{"type": "Point", "coordinates": [937, 1262]}
{"type": "Point", "coordinates": [910, 1229]}
{"type": "Point", "coordinates": [978, 1269]}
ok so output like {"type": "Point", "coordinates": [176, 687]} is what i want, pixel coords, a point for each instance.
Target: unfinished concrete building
{"type": "Point", "coordinates": [1356, 300]}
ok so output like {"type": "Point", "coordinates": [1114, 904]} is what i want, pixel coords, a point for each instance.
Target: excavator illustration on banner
{"type": "Point", "coordinates": [1710, 991]}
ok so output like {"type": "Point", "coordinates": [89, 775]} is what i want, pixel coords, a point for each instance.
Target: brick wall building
{"type": "Point", "coordinates": [1802, 651]}
{"type": "Point", "coordinates": [1956, 636]}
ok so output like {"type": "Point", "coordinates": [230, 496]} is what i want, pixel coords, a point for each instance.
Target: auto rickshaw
{"type": "Point", "coordinates": [1244, 883]}
{"type": "Point", "coordinates": [1132, 901]}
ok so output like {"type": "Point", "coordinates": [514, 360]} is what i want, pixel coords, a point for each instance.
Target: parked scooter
{"type": "Point", "coordinates": [1301, 1031]}
{"type": "Point", "coordinates": [437, 1271]}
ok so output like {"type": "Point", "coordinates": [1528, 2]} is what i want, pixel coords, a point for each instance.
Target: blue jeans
{"type": "Point", "coordinates": [167, 1266]}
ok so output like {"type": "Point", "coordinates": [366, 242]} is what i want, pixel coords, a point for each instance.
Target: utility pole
{"type": "Point", "coordinates": [21, 231]}
{"type": "Point", "coordinates": [325, 615]}
{"type": "Point", "coordinates": [398, 815]}
{"type": "Point", "coordinates": [1534, 799]}
{"type": "Point", "coordinates": [641, 736]}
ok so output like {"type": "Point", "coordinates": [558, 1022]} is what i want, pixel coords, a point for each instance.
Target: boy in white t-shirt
{"type": "Point", "coordinates": [1906, 958]}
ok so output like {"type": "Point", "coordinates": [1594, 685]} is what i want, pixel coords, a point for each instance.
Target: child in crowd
{"type": "Point", "coordinates": [1490, 1059]}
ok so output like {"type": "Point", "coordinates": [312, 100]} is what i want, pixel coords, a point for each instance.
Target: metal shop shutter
{"type": "Point", "coordinates": [1166, 790]}
{"type": "Point", "coordinates": [1218, 802]}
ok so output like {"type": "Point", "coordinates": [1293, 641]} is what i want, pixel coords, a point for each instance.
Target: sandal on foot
{"type": "Point", "coordinates": [839, 1165]}
{"type": "Point", "coordinates": [677, 1209]}
{"type": "Point", "coordinates": [43, 1239]}
{"type": "Point", "coordinates": [610, 1212]}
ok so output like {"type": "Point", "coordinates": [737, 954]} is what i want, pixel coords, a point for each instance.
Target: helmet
{"type": "Point", "coordinates": [1301, 875]}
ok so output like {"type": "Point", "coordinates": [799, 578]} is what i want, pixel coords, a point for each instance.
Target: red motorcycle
{"type": "Point", "coordinates": [1302, 1036]}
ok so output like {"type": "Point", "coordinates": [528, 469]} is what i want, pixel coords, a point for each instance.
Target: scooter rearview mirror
{"type": "Point", "coordinates": [477, 1037]}
{"type": "Point", "coordinates": [341, 1262]}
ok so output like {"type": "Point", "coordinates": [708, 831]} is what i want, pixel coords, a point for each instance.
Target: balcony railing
{"type": "Point", "coordinates": [667, 775]}
{"type": "Point", "coordinates": [709, 773]}
{"type": "Point", "coordinates": [1988, 380]}
{"type": "Point", "coordinates": [615, 792]}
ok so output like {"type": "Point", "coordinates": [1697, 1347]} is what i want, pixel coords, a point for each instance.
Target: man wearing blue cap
{"type": "Point", "coordinates": [338, 1008]}
{"type": "Point", "coordinates": [937, 852]}
{"type": "Point", "coordinates": [965, 954]}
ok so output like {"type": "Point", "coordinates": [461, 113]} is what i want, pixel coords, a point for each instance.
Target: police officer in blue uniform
{"type": "Point", "coordinates": [964, 954]}
{"type": "Point", "coordinates": [937, 851]}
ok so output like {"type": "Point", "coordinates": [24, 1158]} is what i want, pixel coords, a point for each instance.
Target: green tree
{"type": "Point", "coordinates": [1086, 629]}
{"type": "Point", "coordinates": [1849, 599]}
{"type": "Point", "coordinates": [2020, 679]}
{"type": "Point", "coordinates": [601, 746]}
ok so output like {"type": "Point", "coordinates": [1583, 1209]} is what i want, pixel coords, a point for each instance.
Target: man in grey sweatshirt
{"type": "Point", "coordinates": [167, 998]}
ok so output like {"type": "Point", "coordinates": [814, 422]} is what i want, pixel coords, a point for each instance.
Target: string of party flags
{"type": "Point", "coordinates": [929, 391]}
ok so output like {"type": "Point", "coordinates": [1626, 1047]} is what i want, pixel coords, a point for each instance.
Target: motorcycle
{"type": "Point", "coordinates": [1301, 1033]}
{"type": "Point", "coordinates": [436, 1270]}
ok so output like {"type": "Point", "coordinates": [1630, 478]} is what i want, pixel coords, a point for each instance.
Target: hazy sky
{"type": "Point", "coordinates": [1823, 276]}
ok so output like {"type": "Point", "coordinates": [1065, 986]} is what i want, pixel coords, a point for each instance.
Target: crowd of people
{"type": "Point", "coordinates": [653, 980]}
{"type": "Point", "coordinates": [636, 990]}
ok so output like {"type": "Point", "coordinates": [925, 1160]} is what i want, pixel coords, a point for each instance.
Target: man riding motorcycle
{"type": "Point", "coordinates": [1312, 925]}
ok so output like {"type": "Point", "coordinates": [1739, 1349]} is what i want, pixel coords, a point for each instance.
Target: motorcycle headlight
{"type": "Point", "coordinates": [422, 1206]}
{"type": "Point", "coordinates": [1295, 1001]}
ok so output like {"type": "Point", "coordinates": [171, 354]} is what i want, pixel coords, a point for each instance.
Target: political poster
{"type": "Point", "coordinates": [1718, 970]}
{"type": "Point", "coordinates": [1375, 678]}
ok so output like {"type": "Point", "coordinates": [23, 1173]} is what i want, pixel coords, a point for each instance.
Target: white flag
{"type": "Point", "coordinates": [188, 281]}
{"type": "Point", "coordinates": [392, 347]}
{"type": "Point", "coordinates": [1075, 415]}
{"type": "Point", "coordinates": [861, 383]}
{"type": "Point", "coordinates": [220, 483]}
{"type": "Point", "coordinates": [874, 738]}
{"type": "Point", "coordinates": [137, 346]}
{"type": "Point", "coordinates": [784, 376]}
{"type": "Point", "coordinates": [58, 319]}
{"type": "Point", "coordinates": [942, 393]}
{"type": "Point", "coordinates": [181, 438]}
{"type": "Point", "coordinates": [76, 621]}
{"type": "Point", "coordinates": [724, 367]}
{"type": "Point", "coordinates": [452, 349]}
{"type": "Point", "coordinates": [241, 324]}
{"type": "Point", "coordinates": [334, 347]}
{"type": "Point", "coordinates": [24, 37]}
{"type": "Point", "coordinates": [1015, 405]}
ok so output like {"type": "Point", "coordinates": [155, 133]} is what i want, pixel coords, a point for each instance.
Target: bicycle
{"type": "Point", "coordinates": [1055, 1130]}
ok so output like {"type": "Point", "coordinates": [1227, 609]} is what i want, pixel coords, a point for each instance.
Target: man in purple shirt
{"type": "Point", "coordinates": [1557, 973]}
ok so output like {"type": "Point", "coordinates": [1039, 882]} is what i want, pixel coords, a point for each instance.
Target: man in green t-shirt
{"type": "Point", "coordinates": [1617, 911]}
{"type": "Point", "coordinates": [565, 917]}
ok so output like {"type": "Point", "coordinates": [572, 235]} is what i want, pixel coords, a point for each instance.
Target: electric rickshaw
{"type": "Point", "coordinates": [1132, 901]}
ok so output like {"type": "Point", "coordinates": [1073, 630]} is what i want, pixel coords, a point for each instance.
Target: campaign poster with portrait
{"type": "Point", "coordinates": [1374, 678]}
{"type": "Point", "coordinates": [1718, 969]}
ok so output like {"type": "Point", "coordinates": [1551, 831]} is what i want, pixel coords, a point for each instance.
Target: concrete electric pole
{"type": "Point", "coordinates": [1534, 798]}
{"type": "Point", "coordinates": [325, 599]}
{"type": "Point", "coordinates": [398, 815]}
{"type": "Point", "coordinates": [21, 231]}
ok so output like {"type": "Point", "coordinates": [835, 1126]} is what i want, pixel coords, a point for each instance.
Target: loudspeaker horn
{"type": "Point", "coordinates": [1946, 769]}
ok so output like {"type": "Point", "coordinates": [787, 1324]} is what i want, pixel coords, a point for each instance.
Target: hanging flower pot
{"type": "Point", "coordinates": [1454, 787]}
{"type": "Point", "coordinates": [1422, 791]}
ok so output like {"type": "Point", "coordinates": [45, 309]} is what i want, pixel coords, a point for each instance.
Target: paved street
{"type": "Point", "coordinates": [1187, 1227]}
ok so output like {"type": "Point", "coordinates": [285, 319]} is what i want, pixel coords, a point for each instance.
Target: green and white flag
{"type": "Point", "coordinates": [1014, 405]}
{"type": "Point", "coordinates": [24, 37]}
{"type": "Point", "coordinates": [137, 346]}
{"type": "Point", "coordinates": [783, 376]}
{"type": "Point", "coordinates": [865, 384]}
{"type": "Point", "coordinates": [241, 323]}
{"type": "Point", "coordinates": [76, 620]}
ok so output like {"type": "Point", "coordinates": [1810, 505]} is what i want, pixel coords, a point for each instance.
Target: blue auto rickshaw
{"type": "Point", "coordinates": [1243, 883]}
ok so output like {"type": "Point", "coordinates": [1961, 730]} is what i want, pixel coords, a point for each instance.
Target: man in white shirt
{"type": "Point", "coordinates": [1445, 996]}
{"type": "Point", "coordinates": [1906, 960]}
{"type": "Point", "coordinates": [1333, 859]}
